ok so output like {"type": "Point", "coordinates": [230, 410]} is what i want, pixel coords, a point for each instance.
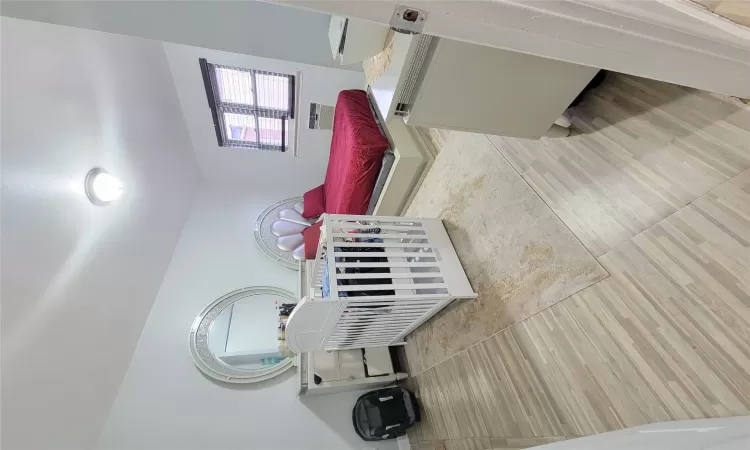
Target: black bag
{"type": "Point", "coordinates": [366, 259]}
{"type": "Point", "coordinates": [385, 414]}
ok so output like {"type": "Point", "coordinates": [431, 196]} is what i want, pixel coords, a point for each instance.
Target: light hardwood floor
{"type": "Point", "coordinates": [667, 336]}
{"type": "Point", "coordinates": [646, 149]}
{"type": "Point", "coordinates": [734, 10]}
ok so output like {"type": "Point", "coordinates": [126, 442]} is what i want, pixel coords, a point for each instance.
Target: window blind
{"type": "Point", "coordinates": [251, 108]}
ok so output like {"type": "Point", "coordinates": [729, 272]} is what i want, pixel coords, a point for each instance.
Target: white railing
{"type": "Point", "coordinates": [387, 276]}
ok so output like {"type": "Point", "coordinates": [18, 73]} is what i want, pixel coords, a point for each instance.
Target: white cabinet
{"type": "Point", "coordinates": [339, 365]}
{"type": "Point", "coordinates": [327, 365]}
{"type": "Point", "coordinates": [344, 370]}
{"type": "Point", "coordinates": [353, 40]}
{"type": "Point", "coordinates": [351, 364]}
{"type": "Point", "coordinates": [441, 83]}
{"type": "Point", "coordinates": [335, 34]}
{"type": "Point", "coordinates": [378, 361]}
{"type": "Point", "coordinates": [341, 370]}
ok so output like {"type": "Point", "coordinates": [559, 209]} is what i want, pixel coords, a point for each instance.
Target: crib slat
{"type": "Point", "coordinates": [365, 339]}
{"type": "Point", "coordinates": [365, 321]}
{"type": "Point", "coordinates": [370, 265]}
{"type": "Point", "coordinates": [386, 226]}
{"type": "Point", "coordinates": [364, 343]}
{"type": "Point", "coordinates": [367, 314]}
{"type": "Point", "coordinates": [374, 331]}
{"type": "Point", "coordinates": [425, 255]}
{"type": "Point", "coordinates": [386, 336]}
{"type": "Point", "coordinates": [373, 221]}
{"type": "Point", "coordinates": [356, 345]}
{"type": "Point", "coordinates": [385, 318]}
{"type": "Point", "coordinates": [371, 332]}
{"type": "Point", "coordinates": [371, 319]}
{"type": "Point", "coordinates": [349, 335]}
{"type": "Point", "coordinates": [415, 306]}
{"type": "Point", "coordinates": [361, 312]}
{"type": "Point", "coordinates": [390, 287]}
{"type": "Point", "coordinates": [383, 245]}
{"type": "Point", "coordinates": [401, 299]}
{"type": "Point", "coordinates": [360, 344]}
{"type": "Point", "coordinates": [379, 236]}
{"type": "Point", "coordinates": [364, 317]}
{"type": "Point", "coordinates": [370, 328]}
{"type": "Point", "coordinates": [365, 276]}
{"type": "Point", "coordinates": [411, 299]}
{"type": "Point", "coordinates": [362, 308]}
{"type": "Point", "coordinates": [378, 219]}
{"type": "Point", "coordinates": [406, 320]}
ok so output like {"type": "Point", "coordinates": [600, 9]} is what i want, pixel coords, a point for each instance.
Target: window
{"type": "Point", "coordinates": [250, 108]}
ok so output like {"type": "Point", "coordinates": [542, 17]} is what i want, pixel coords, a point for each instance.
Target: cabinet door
{"type": "Point", "coordinates": [362, 40]}
{"type": "Point", "coordinates": [378, 361]}
{"type": "Point", "coordinates": [327, 365]}
{"type": "Point", "coordinates": [351, 364]}
{"type": "Point", "coordinates": [335, 33]}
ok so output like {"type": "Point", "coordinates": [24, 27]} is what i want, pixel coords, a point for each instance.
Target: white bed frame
{"type": "Point", "coordinates": [424, 271]}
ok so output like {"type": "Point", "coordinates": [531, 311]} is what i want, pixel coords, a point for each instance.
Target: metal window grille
{"type": "Point", "coordinates": [250, 108]}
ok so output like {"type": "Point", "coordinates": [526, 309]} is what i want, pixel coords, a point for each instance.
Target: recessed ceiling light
{"type": "Point", "coordinates": [101, 187]}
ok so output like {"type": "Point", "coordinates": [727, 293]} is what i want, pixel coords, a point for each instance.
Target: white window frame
{"type": "Point", "coordinates": [218, 108]}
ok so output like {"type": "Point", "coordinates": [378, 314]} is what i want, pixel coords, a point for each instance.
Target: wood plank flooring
{"type": "Point", "coordinates": [735, 10]}
{"type": "Point", "coordinates": [484, 443]}
{"type": "Point", "coordinates": [667, 336]}
{"type": "Point", "coordinates": [646, 150]}
{"type": "Point", "coordinates": [434, 138]}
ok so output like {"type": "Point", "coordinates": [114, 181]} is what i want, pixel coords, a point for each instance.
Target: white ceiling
{"type": "Point", "coordinates": [78, 281]}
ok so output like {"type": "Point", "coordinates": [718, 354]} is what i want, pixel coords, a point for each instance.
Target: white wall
{"type": "Point", "coordinates": [166, 403]}
{"type": "Point", "coordinates": [78, 281]}
{"type": "Point", "coordinates": [251, 168]}
{"type": "Point", "coordinates": [249, 27]}
{"type": "Point", "coordinates": [649, 40]}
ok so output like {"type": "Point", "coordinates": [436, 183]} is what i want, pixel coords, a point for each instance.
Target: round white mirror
{"type": "Point", "coordinates": [236, 338]}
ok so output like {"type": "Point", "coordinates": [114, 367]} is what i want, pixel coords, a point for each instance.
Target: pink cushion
{"type": "Point", "coordinates": [357, 149]}
{"type": "Point", "coordinates": [314, 202]}
{"type": "Point", "coordinates": [312, 236]}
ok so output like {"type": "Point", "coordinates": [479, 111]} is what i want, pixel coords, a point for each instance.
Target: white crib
{"type": "Point", "coordinates": [417, 274]}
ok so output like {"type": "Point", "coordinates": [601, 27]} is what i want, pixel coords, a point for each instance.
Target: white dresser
{"type": "Point", "coordinates": [442, 83]}
{"type": "Point", "coordinates": [341, 370]}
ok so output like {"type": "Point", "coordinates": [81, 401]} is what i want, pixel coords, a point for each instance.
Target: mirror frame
{"type": "Point", "coordinates": [211, 365]}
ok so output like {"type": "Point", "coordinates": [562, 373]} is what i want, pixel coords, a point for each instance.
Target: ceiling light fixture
{"type": "Point", "coordinates": [101, 187]}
